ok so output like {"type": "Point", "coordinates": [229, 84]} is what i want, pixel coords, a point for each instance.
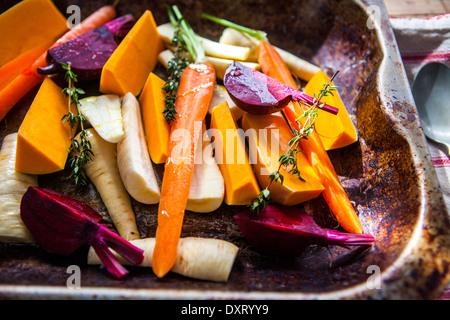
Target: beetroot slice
{"type": "Point", "coordinates": [288, 231]}
{"type": "Point", "coordinates": [88, 53]}
{"type": "Point", "coordinates": [257, 93]}
{"type": "Point", "coordinates": [61, 225]}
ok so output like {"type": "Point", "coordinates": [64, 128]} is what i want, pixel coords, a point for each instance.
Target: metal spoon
{"type": "Point", "coordinates": [431, 91]}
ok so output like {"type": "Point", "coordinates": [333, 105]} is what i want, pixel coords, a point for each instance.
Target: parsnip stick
{"type": "Point", "coordinates": [198, 258]}
{"type": "Point", "coordinates": [220, 65]}
{"type": "Point", "coordinates": [12, 187]}
{"type": "Point", "coordinates": [301, 68]}
{"type": "Point", "coordinates": [212, 48]}
{"type": "Point", "coordinates": [103, 172]}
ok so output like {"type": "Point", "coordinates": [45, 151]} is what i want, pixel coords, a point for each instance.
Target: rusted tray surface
{"type": "Point", "coordinates": [387, 173]}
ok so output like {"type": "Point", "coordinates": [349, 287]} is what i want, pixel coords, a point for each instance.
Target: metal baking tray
{"type": "Point", "coordinates": [388, 174]}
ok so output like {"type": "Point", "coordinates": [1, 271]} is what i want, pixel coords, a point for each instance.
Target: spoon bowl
{"type": "Point", "coordinates": [431, 91]}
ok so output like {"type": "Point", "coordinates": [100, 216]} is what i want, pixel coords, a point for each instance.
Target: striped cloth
{"type": "Point", "coordinates": [422, 41]}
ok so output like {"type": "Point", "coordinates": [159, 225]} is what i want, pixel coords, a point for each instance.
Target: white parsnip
{"type": "Point", "coordinates": [165, 56]}
{"type": "Point", "coordinates": [103, 172]}
{"type": "Point", "coordinates": [133, 159]}
{"type": "Point", "coordinates": [198, 258]}
{"type": "Point", "coordinates": [212, 48]}
{"type": "Point", "coordinates": [13, 185]}
{"type": "Point", "coordinates": [221, 65]}
{"type": "Point", "coordinates": [220, 95]}
{"type": "Point", "coordinates": [207, 185]}
{"type": "Point", "coordinates": [299, 67]}
{"type": "Point", "coordinates": [105, 115]}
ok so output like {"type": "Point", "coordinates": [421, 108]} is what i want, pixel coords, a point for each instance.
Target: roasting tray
{"type": "Point", "coordinates": [388, 174]}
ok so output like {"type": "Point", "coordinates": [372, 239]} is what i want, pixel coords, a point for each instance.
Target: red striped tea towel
{"type": "Point", "coordinates": [422, 41]}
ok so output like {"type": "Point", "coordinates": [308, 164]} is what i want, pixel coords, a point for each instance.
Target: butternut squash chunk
{"type": "Point", "coordinates": [155, 125]}
{"type": "Point", "coordinates": [28, 25]}
{"type": "Point", "coordinates": [241, 186]}
{"type": "Point", "coordinates": [43, 139]}
{"type": "Point", "coordinates": [334, 131]}
{"type": "Point", "coordinates": [277, 135]}
{"type": "Point", "coordinates": [220, 95]}
{"type": "Point", "coordinates": [136, 56]}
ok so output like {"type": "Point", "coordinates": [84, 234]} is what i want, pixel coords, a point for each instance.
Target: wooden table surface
{"type": "Point", "coordinates": [417, 8]}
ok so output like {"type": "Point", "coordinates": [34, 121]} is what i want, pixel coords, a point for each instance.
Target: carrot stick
{"type": "Point", "coordinates": [334, 194]}
{"type": "Point", "coordinates": [194, 95]}
{"type": "Point", "coordinates": [273, 65]}
{"type": "Point", "coordinates": [14, 67]}
{"type": "Point", "coordinates": [29, 78]}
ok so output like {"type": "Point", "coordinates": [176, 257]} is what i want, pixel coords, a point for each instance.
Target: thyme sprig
{"type": "Point", "coordinates": [289, 159]}
{"type": "Point", "coordinates": [175, 66]}
{"type": "Point", "coordinates": [80, 150]}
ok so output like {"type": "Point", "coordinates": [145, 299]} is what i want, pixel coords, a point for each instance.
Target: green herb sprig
{"type": "Point", "coordinates": [258, 34]}
{"type": "Point", "coordinates": [289, 159]}
{"type": "Point", "coordinates": [175, 66]}
{"type": "Point", "coordinates": [80, 150]}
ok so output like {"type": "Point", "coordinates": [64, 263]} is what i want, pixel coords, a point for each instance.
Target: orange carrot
{"type": "Point", "coordinates": [29, 78]}
{"type": "Point", "coordinates": [14, 67]}
{"type": "Point", "coordinates": [334, 194]}
{"type": "Point", "coordinates": [194, 95]}
{"type": "Point", "coordinates": [273, 65]}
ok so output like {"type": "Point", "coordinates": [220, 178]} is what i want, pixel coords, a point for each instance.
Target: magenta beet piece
{"type": "Point", "coordinates": [88, 52]}
{"type": "Point", "coordinates": [61, 225]}
{"type": "Point", "coordinates": [288, 231]}
{"type": "Point", "coordinates": [257, 93]}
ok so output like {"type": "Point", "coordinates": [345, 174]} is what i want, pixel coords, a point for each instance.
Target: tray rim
{"type": "Point", "coordinates": [394, 274]}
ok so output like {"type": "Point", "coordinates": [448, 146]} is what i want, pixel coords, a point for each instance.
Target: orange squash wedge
{"type": "Point", "coordinates": [28, 25]}
{"type": "Point", "coordinates": [43, 140]}
{"type": "Point", "coordinates": [136, 56]}
{"type": "Point", "coordinates": [241, 186]}
{"type": "Point", "coordinates": [268, 148]}
{"type": "Point", "coordinates": [155, 125]}
{"type": "Point", "coordinates": [334, 131]}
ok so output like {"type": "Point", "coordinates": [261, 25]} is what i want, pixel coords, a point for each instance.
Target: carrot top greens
{"type": "Point", "coordinates": [185, 42]}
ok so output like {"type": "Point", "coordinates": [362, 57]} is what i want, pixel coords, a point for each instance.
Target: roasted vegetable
{"type": "Point", "coordinates": [103, 172]}
{"type": "Point", "coordinates": [257, 93]}
{"type": "Point", "coordinates": [27, 25]}
{"type": "Point", "coordinates": [13, 185]}
{"type": "Point", "coordinates": [43, 139]}
{"type": "Point", "coordinates": [29, 78]}
{"type": "Point", "coordinates": [199, 258]}
{"type": "Point", "coordinates": [88, 52]}
{"type": "Point", "coordinates": [104, 113]}
{"type": "Point", "coordinates": [133, 159]}
{"type": "Point", "coordinates": [288, 231]}
{"type": "Point", "coordinates": [136, 56]}
{"type": "Point", "coordinates": [61, 225]}
{"type": "Point", "coordinates": [194, 96]}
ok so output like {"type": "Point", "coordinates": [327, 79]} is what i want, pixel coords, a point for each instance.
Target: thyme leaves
{"type": "Point", "coordinates": [80, 149]}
